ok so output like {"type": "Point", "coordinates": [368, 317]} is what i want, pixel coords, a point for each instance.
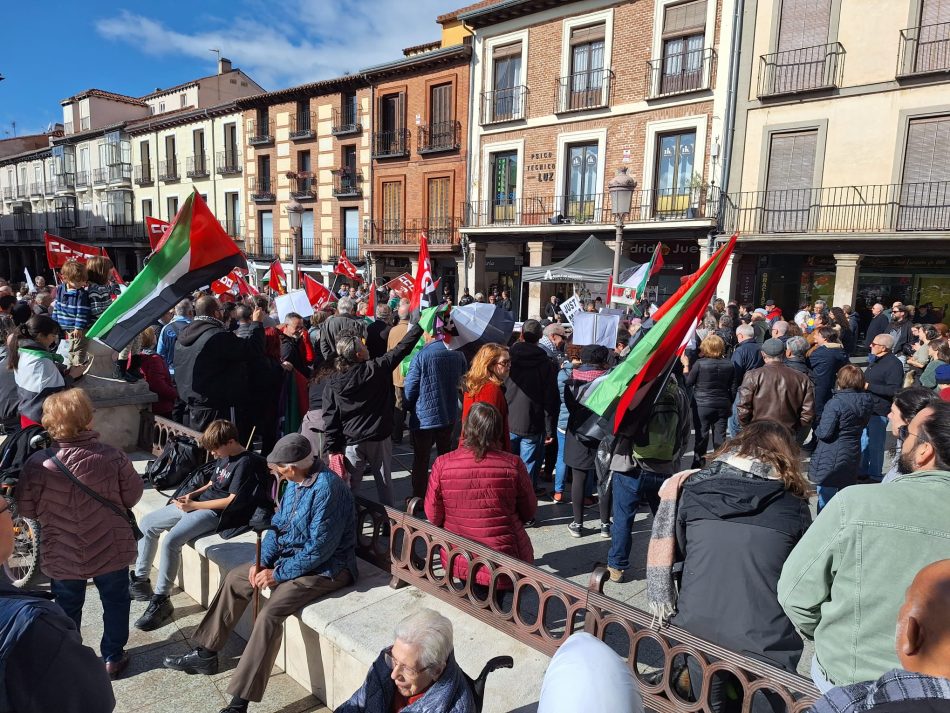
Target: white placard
{"type": "Point", "coordinates": [570, 307]}
{"type": "Point", "coordinates": [592, 328]}
{"type": "Point", "coordinates": [295, 301]}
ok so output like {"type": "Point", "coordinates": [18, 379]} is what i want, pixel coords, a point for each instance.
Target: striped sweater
{"type": "Point", "coordinates": [71, 309]}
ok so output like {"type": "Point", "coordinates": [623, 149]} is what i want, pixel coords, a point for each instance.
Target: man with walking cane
{"type": "Point", "coordinates": [310, 553]}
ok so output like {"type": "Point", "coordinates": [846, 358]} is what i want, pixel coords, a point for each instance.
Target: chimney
{"type": "Point", "coordinates": [224, 65]}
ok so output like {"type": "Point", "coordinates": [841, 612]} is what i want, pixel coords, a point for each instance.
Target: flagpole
{"type": "Point", "coordinates": [336, 276]}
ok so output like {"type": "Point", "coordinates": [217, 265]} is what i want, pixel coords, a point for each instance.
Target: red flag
{"type": "Point", "coordinates": [371, 305]}
{"type": "Point", "coordinates": [318, 295]}
{"type": "Point", "coordinates": [278, 280]}
{"type": "Point", "coordinates": [59, 250]}
{"type": "Point", "coordinates": [156, 230]}
{"type": "Point", "coordinates": [230, 283]}
{"type": "Point", "coordinates": [422, 285]}
{"type": "Point", "coordinates": [346, 268]}
{"type": "Point", "coordinates": [401, 285]}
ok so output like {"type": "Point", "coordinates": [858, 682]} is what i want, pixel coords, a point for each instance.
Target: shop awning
{"type": "Point", "coordinates": [593, 261]}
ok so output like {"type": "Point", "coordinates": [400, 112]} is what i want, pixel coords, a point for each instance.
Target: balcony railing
{"type": "Point", "coordinates": [262, 188]}
{"type": "Point", "coordinates": [347, 183]}
{"type": "Point", "coordinates": [197, 166]}
{"type": "Point", "coordinates": [388, 144]}
{"type": "Point", "coordinates": [583, 90]}
{"type": "Point", "coordinates": [143, 174]}
{"type": "Point", "coordinates": [228, 163]}
{"type": "Point", "coordinates": [8, 193]}
{"type": "Point", "coordinates": [22, 190]}
{"type": "Point", "coordinates": [83, 178]}
{"type": "Point", "coordinates": [504, 104]}
{"type": "Point", "coordinates": [232, 228]}
{"type": "Point", "coordinates": [303, 186]}
{"type": "Point", "coordinates": [37, 189]}
{"type": "Point", "coordinates": [168, 171]}
{"type": "Point", "coordinates": [100, 176]}
{"type": "Point", "coordinates": [675, 204]}
{"type": "Point", "coordinates": [440, 136]}
{"type": "Point", "coordinates": [909, 207]}
{"type": "Point", "coordinates": [260, 132]}
{"type": "Point", "coordinates": [301, 126]}
{"type": "Point", "coordinates": [680, 73]}
{"type": "Point", "coordinates": [441, 231]}
{"type": "Point", "coordinates": [924, 50]}
{"type": "Point", "coordinates": [120, 173]}
{"type": "Point", "coordinates": [347, 120]}
{"type": "Point", "coordinates": [804, 70]}
{"type": "Point", "coordinates": [64, 181]}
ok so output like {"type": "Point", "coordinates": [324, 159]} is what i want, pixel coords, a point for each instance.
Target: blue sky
{"type": "Point", "coordinates": [50, 51]}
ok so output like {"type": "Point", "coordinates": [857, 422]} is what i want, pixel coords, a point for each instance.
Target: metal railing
{"type": "Point", "coordinates": [439, 231]}
{"type": "Point", "coordinates": [388, 144]}
{"type": "Point", "coordinates": [143, 174]}
{"type": "Point", "coordinates": [260, 132]}
{"type": "Point", "coordinates": [83, 179]}
{"type": "Point", "coordinates": [37, 189]}
{"type": "Point", "coordinates": [64, 181]}
{"type": "Point", "coordinates": [895, 207]}
{"type": "Point", "coordinates": [232, 227]}
{"type": "Point", "coordinates": [500, 105]}
{"type": "Point", "coordinates": [228, 163]}
{"type": "Point", "coordinates": [168, 171]}
{"type": "Point", "coordinates": [303, 186]}
{"type": "Point", "coordinates": [346, 120]}
{"type": "Point", "coordinates": [584, 90]}
{"type": "Point", "coordinates": [924, 50]}
{"type": "Point", "coordinates": [197, 166]}
{"type": "Point", "coordinates": [8, 193]}
{"type": "Point", "coordinates": [440, 136]}
{"type": "Point", "coordinates": [347, 183]}
{"type": "Point", "coordinates": [119, 173]}
{"type": "Point", "coordinates": [680, 73]}
{"type": "Point", "coordinates": [301, 125]}
{"type": "Point", "coordinates": [698, 203]}
{"type": "Point", "coordinates": [803, 70]}
{"type": "Point", "coordinates": [100, 176]}
{"type": "Point", "coordinates": [262, 188]}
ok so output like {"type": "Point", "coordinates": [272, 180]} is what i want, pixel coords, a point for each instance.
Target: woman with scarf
{"type": "Point", "coordinates": [730, 526]}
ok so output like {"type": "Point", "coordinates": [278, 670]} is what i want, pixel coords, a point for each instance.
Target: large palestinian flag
{"type": "Point", "coordinates": [194, 253]}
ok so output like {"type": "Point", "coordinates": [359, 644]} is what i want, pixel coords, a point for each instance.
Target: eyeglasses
{"type": "Point", "coordinates": [503, 362]}
{"type": "Point", "coordinates": [394, 664]}
{"type": "Point", "coordinates": [876, 344]}
{"type": "Point", "coordinates": [904, 431]}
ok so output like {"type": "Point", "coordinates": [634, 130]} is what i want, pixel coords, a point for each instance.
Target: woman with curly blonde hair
{"type": "Point", "coordinates": [484, 382]}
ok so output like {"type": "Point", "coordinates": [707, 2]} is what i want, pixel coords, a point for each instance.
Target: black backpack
{"type": "Point", "coordinates": [180, 456]}
{"type": "Point", "coordinates": [18, 448]}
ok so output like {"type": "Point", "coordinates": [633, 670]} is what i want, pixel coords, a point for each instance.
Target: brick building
{"type": "Point", "coordinates": [566, 93]}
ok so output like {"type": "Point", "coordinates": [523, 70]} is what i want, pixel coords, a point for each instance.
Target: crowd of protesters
{"type": "Point", "coordinates": [768, 410]}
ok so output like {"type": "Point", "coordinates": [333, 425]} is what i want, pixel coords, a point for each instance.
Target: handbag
{"type": "Point", "coordinates": [126, 513]}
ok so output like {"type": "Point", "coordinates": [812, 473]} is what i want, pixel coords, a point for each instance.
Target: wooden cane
{"type": "Point", "coordinates": [257, 566]}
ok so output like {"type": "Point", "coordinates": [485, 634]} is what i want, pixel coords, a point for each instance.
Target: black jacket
{"type": "Point", "coordinates": [877, 326]}
{"type": "Point", "coordinates": [884, 379]}
{"type": "Point", "coordinates": [377, 335]}
{"type": "Point", "coordinates": [734, 531]}
{"type": "Point", "coordinates": [576, 454]}
{"type": "Point", "coordinates": [825, 362]}
{"type": "Point", "coordinates": [213, 365]}
{"type": "Point", "coordinates": [291, 353]}
{"type": "Point", "coordinates": [901, 333]}
{"type": "Point", "coordinates": [531, 391]}
{"type": "Point", "coordinates": [838, 454]}
{"type": "Point", "coordinates": [729, 337]}
{"type": "Point", "coordinates": [330, 329]}
{"type": "Point", "coordinates": [747, 355]}
{"type": "Point", "coordinates": [713, 382]}
{"type": "Point", "coordinates": [9, 396]}
{"type": "Point", "coordinates": [358, 403]}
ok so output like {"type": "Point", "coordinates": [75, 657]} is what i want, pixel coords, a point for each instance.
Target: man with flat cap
{"type": "Point", "coordinates": [309, 552]}
{"type": "Point", "coordinates": [776, 392]}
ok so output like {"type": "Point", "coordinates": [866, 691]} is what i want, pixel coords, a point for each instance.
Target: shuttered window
{"type": "Point", "coordinates": [933, 12]}
{"type": "Point", "coordinates": [789, 182]}
{"type": "Point", "coordinates": [592, 33]}
{"type": "Point", "coordinates": [440, 104]}
{"type": "Point", "coordinates": [392, 212]}
{"type": "Point", "coordinates": [804, 23]}
{"type": "Point", "coordinates": [512, 50]}
{"type": "Point", "coordinates": [684, 19]}
{"type": "Point", "coordinates": [932, 51]}
{"type": "Point", "coordinates": [439, 227]}
{"type": "Point", "coordinates": [924, 193]}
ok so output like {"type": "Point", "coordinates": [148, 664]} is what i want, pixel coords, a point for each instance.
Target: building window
{"type": "Point", "coordinates": [351, 232]}
{"type": "Point", "coordinates": [582, 172]}
{"type": "Point", "coordinates": [684, 36]}
{"type": "Point", "coordinates": [587, 67]}
{"type": "Point", "coordinates": [172, 205]}
{"type": "Point", "coordinates": [303, 117]}
{"type": "Point", "coordinates": [505, 101]}
{"type": "Point", "coordinates": [441, 129]}
{"type": "Point", "coordinates": [789, 181]}
{"type": "Point", "coordinates": [119, 208]}
{"type": "Point", "coordinates": [161, 107]}
{"type": "Point", "coordinates": [305, 182]}
{"type": "Point", "coordinates": [263, 174]}
{"type": "Point", "coordinates": [306, 234]}
{"type": "Point", "coordinates": [171, 157]}
{"type": "Point", "coordinates": [232, 213]}
{"type": "Point", "coordinates": [925, 189]}
{"type": "Point", "coordinates": [147, 208]}
{"type": "Point", "coordinates": [230, 145]}
{"type": "Point", "coordinates": [932, 50]}
{"type": "Point", "coordinates": [265, 228]}
{"type": "Point", "coordinates": [350, 108]}
{"type": "Point", "coordinates": [439, 222]}
{"type": "Point", "coordinates": [198, 146]}
{"type": "Point", "coordinates": [504, 172]}
{"type": "Point", "coordinates": [145, 152]}
{"type": "Point", "coordinates": [674, 182]}
{"type": "Point", "coordinates": [65, 208]}
{"type": "Point", "coordinates": [392, 212]}
{"type": "Point", "coordinates": [803, 59]}
{"type": "Point", "coordinates": [184, 101]}
{"type": "Point", "coordinates": [390, 140]}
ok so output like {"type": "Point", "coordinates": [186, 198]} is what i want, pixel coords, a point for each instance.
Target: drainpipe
{"type": "Point", "coordinates": [732, 98]}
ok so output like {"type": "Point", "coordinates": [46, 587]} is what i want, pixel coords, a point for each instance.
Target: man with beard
{"type": "Point", "coordinates": [843, 583]}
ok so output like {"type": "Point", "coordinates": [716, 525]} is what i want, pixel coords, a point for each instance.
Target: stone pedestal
{"type": "Point", "coordinates": [846, 279]}
{"type": "Point", "coordinates": [119, 404]}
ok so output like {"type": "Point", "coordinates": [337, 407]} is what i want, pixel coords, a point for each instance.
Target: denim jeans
{"type": "Point", "coordinates": [825, 493]}
{"type": "Point", "coordinates": [872, 448]}
{"type": "Point", "coordinates": [818, 677]}
{"type": "Point", "coordinates": [629, 490]}
{"type": "Point", "coordinates": [113, 588]}
{"type": "Point", "coordinates": [732, 425]}
{"type": "Point", "coordinates": [531, 450]}
{"type": "Point", "coordinates": [182, 528]}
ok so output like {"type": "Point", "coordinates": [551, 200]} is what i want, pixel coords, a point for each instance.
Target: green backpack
{"type": "Point", "coordinates": [660, 440]}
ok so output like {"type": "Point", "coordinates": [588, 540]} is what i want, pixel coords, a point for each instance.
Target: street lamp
{"type": "Point", "coordinates": [621, 190]}
{"type": "Point", "coordinates": [295, 215]}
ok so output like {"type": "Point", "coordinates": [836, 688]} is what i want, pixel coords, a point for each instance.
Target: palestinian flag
{"type": "Point", "coordinates": [477, 324]}
{"type": "Point", "coordinates": [195, 252]}
{"type": "Point", "coordinates": [430, 322]}
{"type": "Point", "coordinates": [633, 282]}
{"type": "Point", "coordinates": [659, 342]}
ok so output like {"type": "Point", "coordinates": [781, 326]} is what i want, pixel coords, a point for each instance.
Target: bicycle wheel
{"type": "Point", "coordinates": [23, 567]}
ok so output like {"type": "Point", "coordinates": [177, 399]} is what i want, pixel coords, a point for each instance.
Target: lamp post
{"type": "Point", "coordinates": [295, 215]}
{"type": "Point", "coordinates": [621, 189]}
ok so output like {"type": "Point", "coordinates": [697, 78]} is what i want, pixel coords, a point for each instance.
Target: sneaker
{"type": "Point", "coordinates": [140, 589]}
{"type": "Point", "coordinates": [576, 529]}
{"type": "Point", "coordinates": [159, 612]}
{"type": "Point", "coordinates": [605, 530]}
{"type": "Point", "coordinates": [193, 662]}
{"type": "Point", "coordinates": [590, 501]}
{"type": "Point", "coordinates": [558, 497]}
{"type": "Point", "coordinates": [531, 523]}
{"type": "Point", "coordinates": [616, 575]}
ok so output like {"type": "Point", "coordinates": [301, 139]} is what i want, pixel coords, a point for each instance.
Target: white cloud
{"type": "Point", "coordinates": [303, 41]}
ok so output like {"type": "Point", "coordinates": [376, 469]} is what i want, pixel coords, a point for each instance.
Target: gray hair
{"type": "Point", "coordinates": [781, 327]}
{"type": "Point", "coordinates": [796, 346]}
{"type": "Point", "coordinates": [345, 306]}
{"type": "Point", "coordinates": [384, 312]}
{"type": "Point", "coordinates": [431, 632]}
{"type": "Point", "coordinates": [184, 308]}
{"type": "Point", "coordinates": [886, 340]}
{"type": "Point", "coordinates": [725, 322]}
{"type": "Point", "coordinates": [552, 328]}
{"type": "Point", "coordinates": [745, 330]}
{"type": "Point", "coordinates": [820, 302]}
{"type": "Point", "coordinates": [403, 310]}
{"type": "Point", "coordinates": [348, 344]}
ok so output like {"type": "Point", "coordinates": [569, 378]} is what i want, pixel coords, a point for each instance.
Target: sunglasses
{"type": "Point", "coordinates": [504, 362]}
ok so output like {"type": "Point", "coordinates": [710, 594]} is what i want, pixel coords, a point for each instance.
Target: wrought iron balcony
{"type": "Point", "coordinates": [262, 189]}
{"type": "Point", "coordinates": [232, 228]}
{"type": "Point", "coordinates": [301, 126]}
{"type": "Point", "coordinates": [37, 189]}
{"type": "Point", "coordinates": [228, 163]}
{"type": "Point", "coordinates": [439, 232]}
{"type": "Point", "coordinates": [584, 90]}
{"type": "Point", "coordinates": [680, 73]}
{"type": "Point", "coordinates": [260, 132]}
{"type": "Point", "coordinates": [143, 174]}
{"type": "Point", "coordinates": [22, 190]}
{"type": "Point", "coordinates": [390, 144]}
{"type": "Point", "coordinates": [100, 176]}
{"type": "Point", "coordinates": [303, 186]}
{"type": "Point", "coordinates": [439, 137]}
{"type": "Point", "coordinates": [348, 120]}
{"type": "Point", "coordinates": [650, 206]}
{"type": "Point", "coordinates": [120, 173]}
{"type": "Point", "coordinates": [908, 207]}
{"type": "Point", "coordinates": [924, 50]}
{"type": "Point", "coordinates": [504, 104]}
{"type": "Point", "coordinates": [805, 70]}
{"type": "Point", "coordinates": [63, 182]}
{"type": "Point", "coordinates": [347, 183]}
{"type": "Point", "coordinates": [168, 171]}
{"type": "Point", "coordinates": [8, 193]}
{"type": "Point", "coordinates": [197, 166]}
{"type": "Point", "coordinates": [83, 179]}
{"type": "Point", "coordinates": [265, 254]}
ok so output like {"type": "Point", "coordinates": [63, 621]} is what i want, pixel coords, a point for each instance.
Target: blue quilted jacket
{"type": "Point", "coordinates": [432, 387]}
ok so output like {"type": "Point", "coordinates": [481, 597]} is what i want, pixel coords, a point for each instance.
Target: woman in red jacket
{"type": "Point", "coordinates": [482, 492]}
{"type": "Point", "coordinates": [155, 371]}
{"type": "Point", "coordinates": [484, 383]}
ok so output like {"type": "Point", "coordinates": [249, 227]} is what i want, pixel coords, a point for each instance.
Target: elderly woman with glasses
{"type": "Point", "coordinates": [417, 673]}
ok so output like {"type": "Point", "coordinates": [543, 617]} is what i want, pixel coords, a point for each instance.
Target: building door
{"type": "Point", "coordinates": [504, 170]}
{"type": "Point", "coordinates": [266, 227]}
{"type": "Point", "coordinates": [802, 62]}
{"type": "Point", "coordinates": [684, 35]}
{"type": "Point", "coordinates": [789, 182]}
{"type": "Point", "coordinates": [439, 223]}
{"type": "Point", "coordinates": [441, 111]}
{"type": "Point", "coordinates": [933, 40]}
{"type": "Point", "coordinates": [587, 66]}
{"type": "Point", "coordinates": [232, 214]}
{"type": "Point", "coordinates": [674, 174]}
{"type": "Point", "coordinates": [582, 172]}
{"type": "Point", "coordinates": [925, 189]}
{"type": "Point", "coordinates": [230, 157]}
{"type": "Point", "coordinates": [198, 146]}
